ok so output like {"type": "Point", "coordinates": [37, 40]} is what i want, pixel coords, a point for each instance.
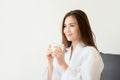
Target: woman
{"type": "Point", "coordinates": [81, 59]}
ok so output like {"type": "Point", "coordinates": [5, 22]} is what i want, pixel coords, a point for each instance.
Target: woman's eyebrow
{"type": "Point", "coordinates": [71, 23]}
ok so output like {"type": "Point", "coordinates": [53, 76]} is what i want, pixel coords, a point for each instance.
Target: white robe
{"type": "Point", "coordinates": [85, 64]}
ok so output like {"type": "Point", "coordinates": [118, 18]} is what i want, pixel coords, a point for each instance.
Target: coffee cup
{"type": "Point", "coordinates": [57, 45]}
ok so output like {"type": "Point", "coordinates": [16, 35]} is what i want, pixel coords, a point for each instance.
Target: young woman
{"type": "Point", "coordinates": [81, 59]}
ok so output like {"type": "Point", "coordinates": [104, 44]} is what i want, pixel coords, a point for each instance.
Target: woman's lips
{"type": "Point", "coordinates": [68, 35]}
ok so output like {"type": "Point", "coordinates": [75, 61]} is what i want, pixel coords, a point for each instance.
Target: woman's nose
{"type": "Point", "coordinates": [67, 29]}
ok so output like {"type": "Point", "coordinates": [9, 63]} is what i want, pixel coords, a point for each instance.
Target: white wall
{"type": "Point", "coordinates": [28, 26]}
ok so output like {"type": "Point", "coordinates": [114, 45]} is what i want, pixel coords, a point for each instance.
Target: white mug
{"type": "Point", "coordinates": [58, 45]}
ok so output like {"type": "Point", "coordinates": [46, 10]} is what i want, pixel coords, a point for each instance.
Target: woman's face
{"type": "Point", "coordinates": [71, 29]}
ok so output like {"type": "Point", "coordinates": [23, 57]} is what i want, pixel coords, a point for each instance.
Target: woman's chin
{"type": "Point", "coordinates": [69, 39]}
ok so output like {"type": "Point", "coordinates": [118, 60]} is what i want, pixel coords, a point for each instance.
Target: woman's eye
{"type": "Point", "coordinates": [64, 26]}
{"type": "Point", "coordinates": [72, 25]}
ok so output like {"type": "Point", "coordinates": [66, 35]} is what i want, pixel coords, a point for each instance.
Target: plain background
{"type": "Point", "coordinates": [27, 27]}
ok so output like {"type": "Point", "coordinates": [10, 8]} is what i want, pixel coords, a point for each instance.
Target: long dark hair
{"type": "Point", "coordinates": [84, 27]}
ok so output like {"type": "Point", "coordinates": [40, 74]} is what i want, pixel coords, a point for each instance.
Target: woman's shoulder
{"type": "Point", "coordinates": [90, 49]}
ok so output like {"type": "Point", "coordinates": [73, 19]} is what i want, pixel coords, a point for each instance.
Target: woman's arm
{"type": "Point", "coordinates": [89, 67]}
{"type": "Point", "coordinates": [50, 71]}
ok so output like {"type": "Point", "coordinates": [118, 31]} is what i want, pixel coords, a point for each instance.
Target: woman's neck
{"type": "Point", "coordinates": [74, 44]}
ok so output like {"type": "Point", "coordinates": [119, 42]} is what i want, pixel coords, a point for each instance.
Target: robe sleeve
{"type": "Point", "coordinates": [89, 69]}
{"type": "Point", "coordinates": [55, 75]}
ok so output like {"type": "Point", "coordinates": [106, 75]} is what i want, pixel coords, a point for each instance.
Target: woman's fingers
{"type": "Point", "coordinates": [49, 51]}
{"type": "Point", "coordinates": [58, 48]}
{"type": "Point", "coordinates": [57, 53]}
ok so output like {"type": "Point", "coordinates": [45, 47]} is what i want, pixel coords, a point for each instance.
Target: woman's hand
{"type": "Point", "coordinates": [49, 55]}
{"type": "Point", "coordinates": [59, 55]}
{"type": "Point", "coordinates": [50, 62]}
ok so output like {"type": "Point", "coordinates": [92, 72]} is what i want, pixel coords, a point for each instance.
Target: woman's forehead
{"type": "Point", "coordinates": [70, 20]}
